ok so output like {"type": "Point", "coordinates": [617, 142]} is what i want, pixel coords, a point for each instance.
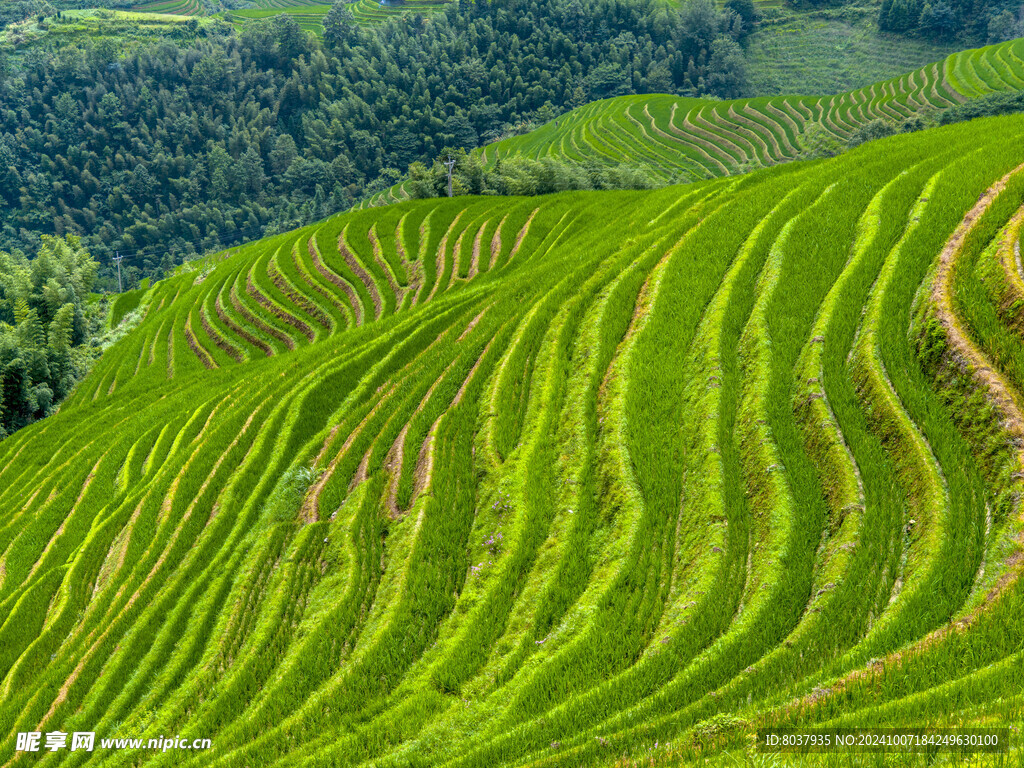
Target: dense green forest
{"type": "Point", "coordinates": [969, 21]}
{"type": "Point", "coordinates": [171, 149]}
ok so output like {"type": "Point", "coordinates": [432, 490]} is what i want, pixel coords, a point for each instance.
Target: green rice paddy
{"type": "Point", "coordinates": [604, 478]}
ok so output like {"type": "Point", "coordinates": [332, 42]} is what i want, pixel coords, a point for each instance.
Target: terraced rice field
{"type": "Point", "coordinates": [801, 54]}
{"type": "Point", "coordinates": [679, 138]}
{"type": "Point", "coordinates": [175, 7]}
{"type": "Point", "coordinates": [375, 12]}
{"type": "Point", "coordinates": [584, 479]}
{"type": "Point", "coordinates": [307, 13]}
{"type": "Point", "coordinates": [286, 3]}
{"type": "Point", "coordinates": [308, 16]}
{"type": "Point", "coordinates": [707, 138]}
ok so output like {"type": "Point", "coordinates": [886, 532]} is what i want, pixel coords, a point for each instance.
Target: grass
{"type": "Point", "coordinates": [308, 14]}
{"type": "Point", "coordinates": [74, 26]}
{"type": "Point", "coordinates": [610, 478]}
{"type": "Point", "coordinates": [175, 7]}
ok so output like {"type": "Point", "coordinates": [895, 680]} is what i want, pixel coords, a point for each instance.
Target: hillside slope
{"type": "Point", "coordinates": [676, 138]}
{"type": "Point", "coordinates": [491, 481]}
{"type": "Point", "coordinates": [794, 52]}
{"type": "Point", "coordinates": [309, 14]}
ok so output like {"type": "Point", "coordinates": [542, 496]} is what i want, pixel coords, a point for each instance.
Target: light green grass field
{"type": "Point", "coordinates": [308, 13]}
{"type": "Point", "coordinates": [309, 17]}
{"type": "Point", "coordinates": [176, 7]}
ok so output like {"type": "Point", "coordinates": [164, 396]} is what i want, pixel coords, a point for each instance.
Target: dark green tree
{"type": "Point", "coordinates": [727, 78]}
{"type": "Point", "coordinates": [339, 25]}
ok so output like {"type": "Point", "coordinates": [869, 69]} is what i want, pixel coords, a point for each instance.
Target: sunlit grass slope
{"type": "Point", "coordinates": [308, 17]}
{"type": "Point", "coordinates": [547, 481]}
{"type": "Point", "coordinates": [176, 7]}
{"type": "Point", "coordinates": [672, 137]}
{"type": "Point", "coordinates": [308, 14]}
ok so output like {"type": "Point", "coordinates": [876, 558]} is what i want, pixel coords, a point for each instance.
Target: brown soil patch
{"type": "Point", "coordinates": [474, 262]}
{"type": "Point", "coordinates": [378, 256]}
{"type": "Point", "coordinates": [457, 256]}
{"type": "Point", "coordinates": [170, 359]}
{"type": "Point", "coordinates": [413, 269]}
{"type": "Point", "coordinates": [393, 464]}
{"type": "Point", "coordinates": [473, 323]}
{"type": "Point", "coordinates": [441, 259]}
{"type": "Point", "coordinates": [960, 344]}
{"type": "Point", "coordinates": [60, 529]}
{"type": "Point", "coordinates": [363, 471]}
{"type": "Point", "coordinates": [496, 242]}
{"type": "Point", "coordinates": [117, 551]}
{"type": "Point", "coordinates": [424, 473]}
{"type": "Point", "coordinates": [472, 372]}
{"type": "Point", "coordinates": [310, 511]}
{"type": "Point", "coordinates": [1012, 283]}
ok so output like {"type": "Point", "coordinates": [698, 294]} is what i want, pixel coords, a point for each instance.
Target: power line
{"type": "Point", "coordinates": [118, 258]}
{"type": "Point", "coordinates": [450, 164]}
{"type": "Point", "coordinates": [162, 250]}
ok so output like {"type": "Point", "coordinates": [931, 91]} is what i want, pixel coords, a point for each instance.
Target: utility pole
{"type": "Point", "coordinates": [450, 165]}
{"type": "Point", "coordinates": [118, 258]}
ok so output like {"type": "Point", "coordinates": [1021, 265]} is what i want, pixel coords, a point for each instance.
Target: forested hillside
{"type": "Point", "coordinates": [605, 478]}
{"type": "Point", "coordinates": [164, 149]}
{"type": "Point", "coordinates": [963, 20]}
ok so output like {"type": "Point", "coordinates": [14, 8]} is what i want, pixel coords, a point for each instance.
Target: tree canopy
{"type": "Point", "coordinates": [970, 21]}
{"type": "Point", "coordinates": [45, 328]}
